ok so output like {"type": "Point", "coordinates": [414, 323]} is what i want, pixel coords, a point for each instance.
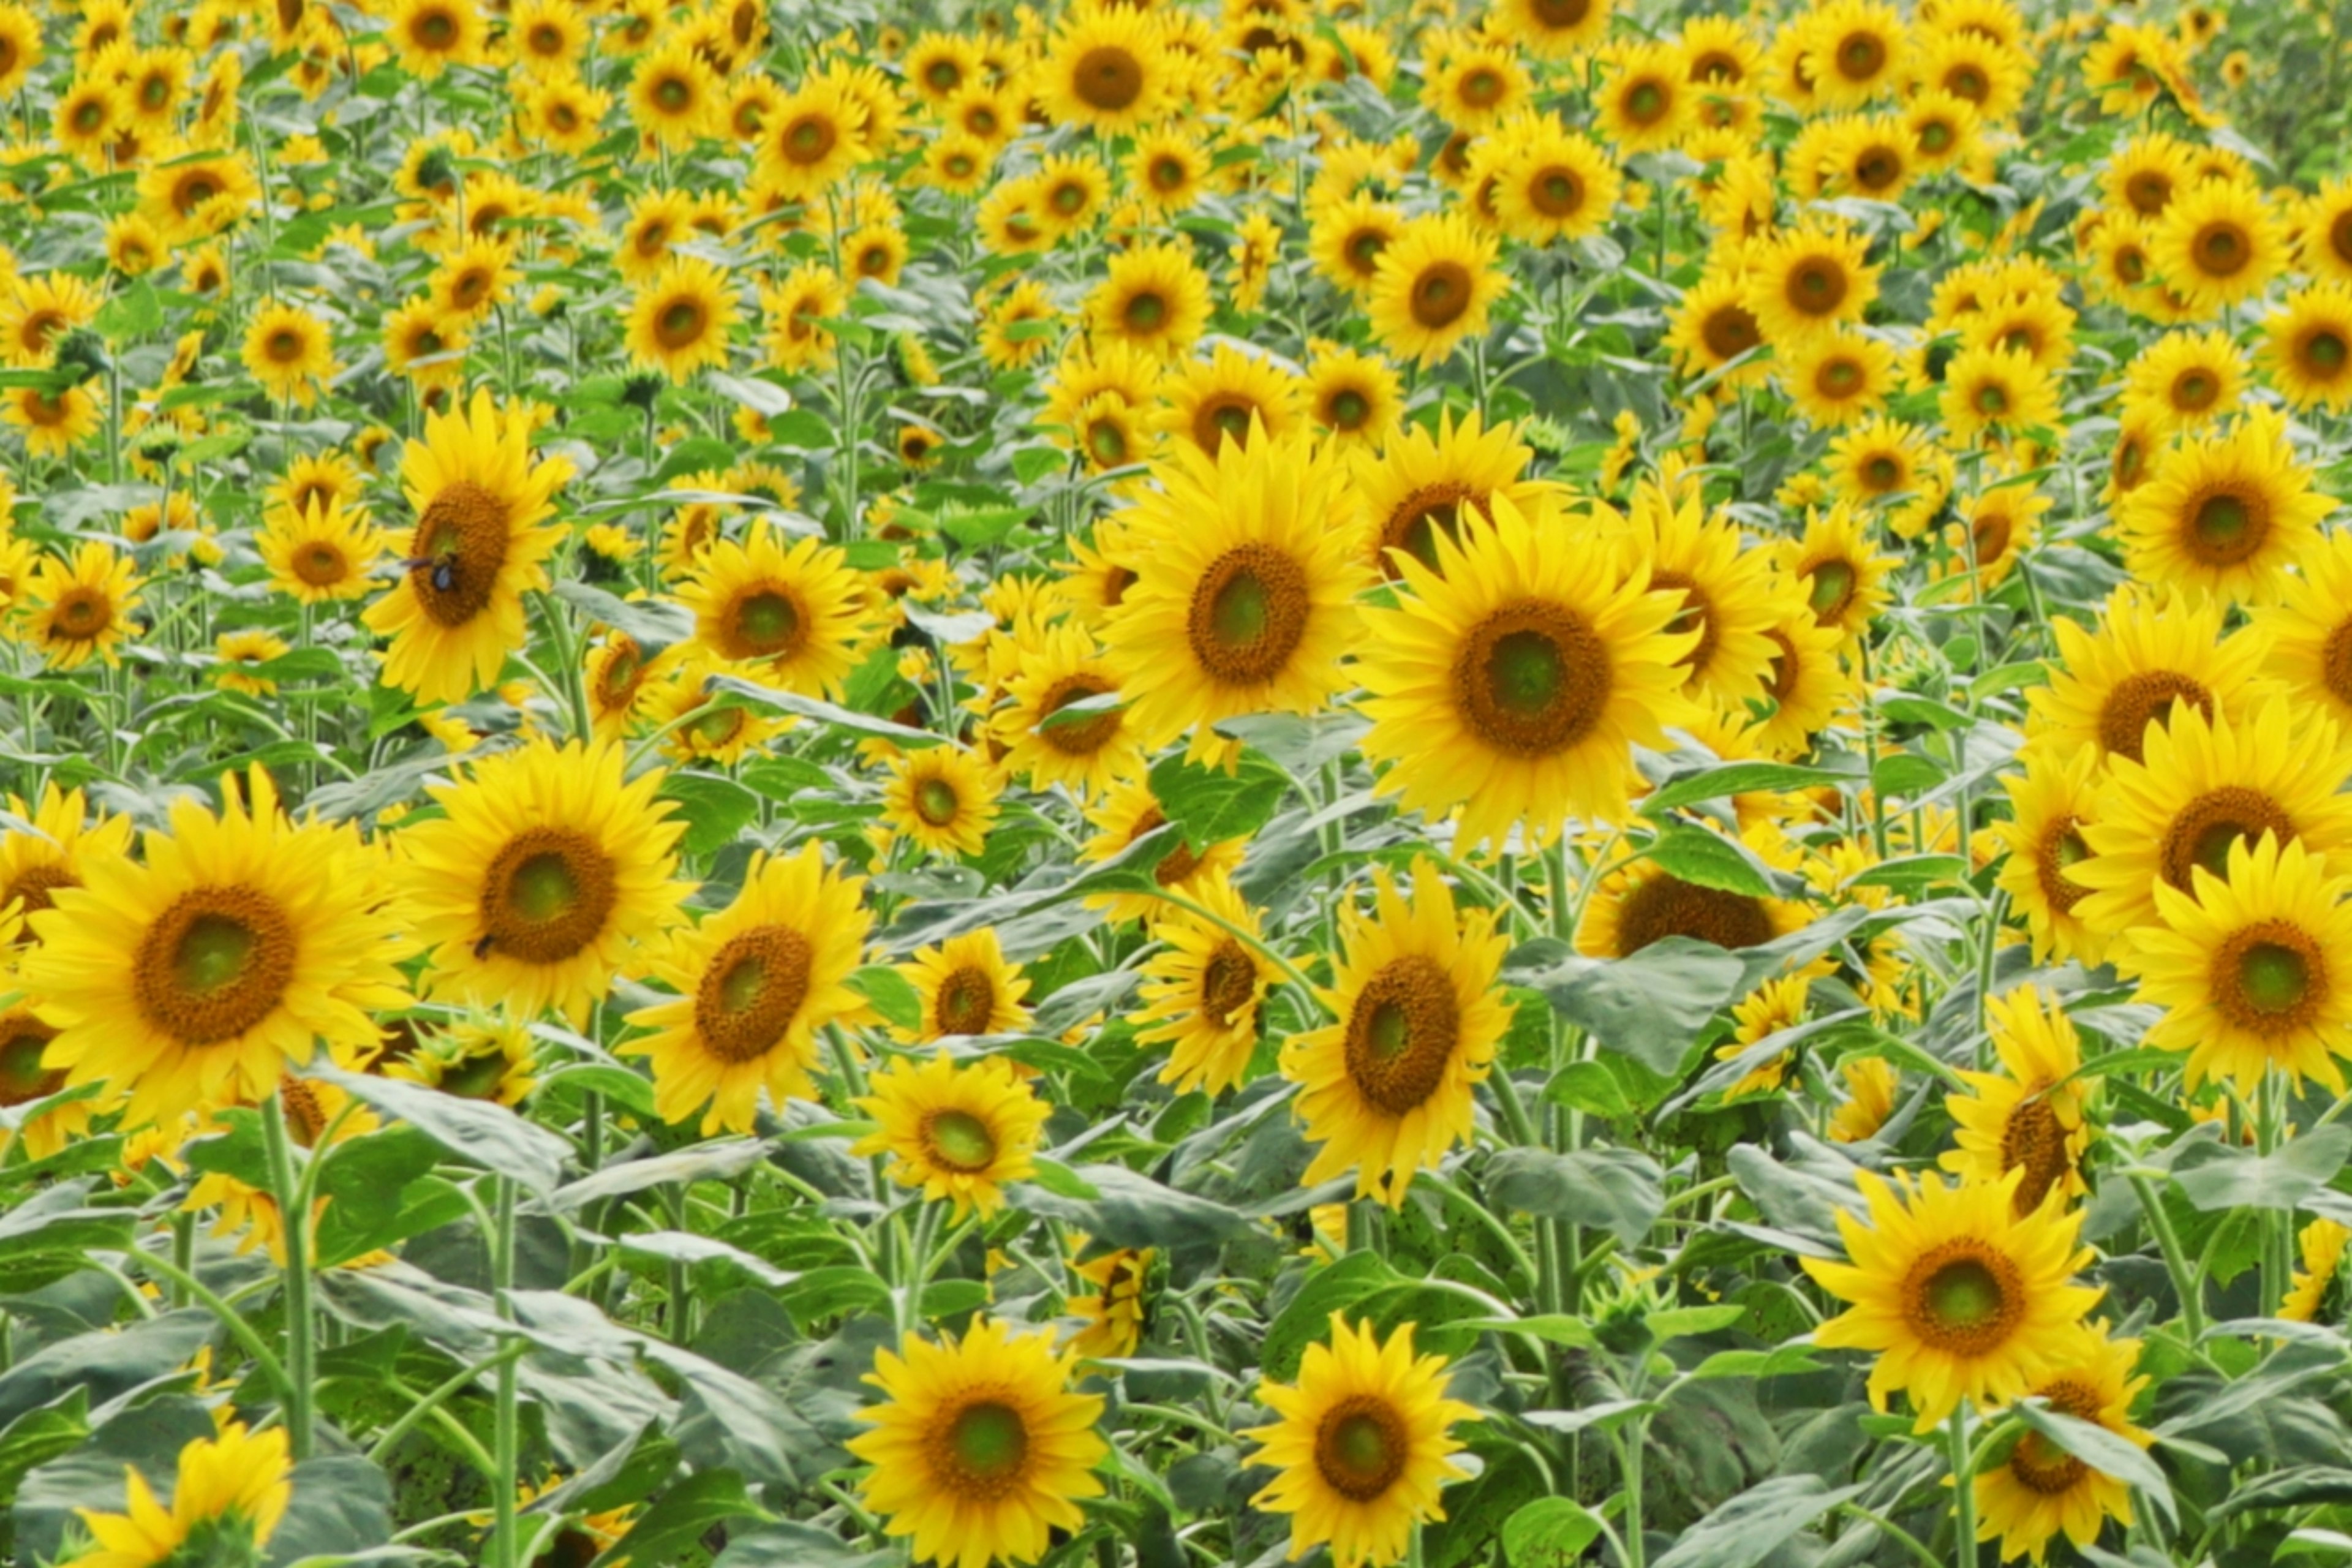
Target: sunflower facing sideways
{"type": "Point", "coordinates": [230, 1493]}
{"type": "Point", "coordinates": [1244, 589]}
{"type": "Point", "coordinates": [480, 542]}
{"type": "Point", "coordinates": [1514, 679]}
{"type": "Point", "coordinates": [1204, 991]}
{"type": "Point", "coordinates": [1961, 1297]}
{"type": "Point", "coordinates": [2048, 804]}
{"type": "Point", "coordinates": [960, 1132]}
{"type": "Point", "coordinates": [1386, 1088]}
{"type": "Point", "coordinates": [979, 1450]}
{"type": "Point", "coordinates": [2041, 1491]}
{"type": "Point", "coordinates": [545, 869]}
{"type": "Point", "coordinates": [2030, 1115]}
{"type": "Point", "coordinates": [1362, 1443]}
{"type": "Point", "coordinates": [755, 983]}
{"type": "Point", "coordinates": [232, 947]}
{"type": "Point", "coordinates": [2307, 637]}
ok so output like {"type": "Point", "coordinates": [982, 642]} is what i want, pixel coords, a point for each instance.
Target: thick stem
{"type": "Point", "coordinates": [507, 1426]}
{"type": "Point", "coordinates": [294, 1212]}
{"type": "Point", "coordinates": [2187, 1282]}
{"type": "Point", "coordinates": [1964, 1491]}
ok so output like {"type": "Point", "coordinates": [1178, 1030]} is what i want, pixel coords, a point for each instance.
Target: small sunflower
{"type": "Point", "coordinates": [1961, 1297]}
{"type": "Point", "coordinates": [65, 839]}
{"type": "Point", "coordinates": [1105, 69]}
{"type": "Point", "coordinates": [289, 350]}
{"type": "Point", "coordinates": [755, 984]}
{"type": "Point", "coordinates": [1060, 668]}
{"type": "Point", "coordinates": [2184, 379]}
{"type": "Point", "coordinates": [82, 609]}
{"type": "Point", "coordinates": [1837, 564]}
{"type": "Point", "coordinates": [2031, 1115]}
{"type": "Point", "coordinates": [944, 798]}
{"type": "Point", "coordinates": [979, 1450]}
{"type": "Point", "coordinates": [1127, 813]}
{"type": "Point", "coordinates": [543, 872]}
{"type": "Point", "coordinates": [322, 552]}
{"type": "Point", "coordinates": [2040, 1491]}
{"type": "Point", "coordinates": [1424, 483]}
{"type": "Point", "coordinates": [959, 1132]}
{"type": "Point", "coordinates": [2308, 347]}
{"type": "Point", "coordinates": [681, 319]}
{"type": "Point", "coordinates": [965, 986]}
{"type": "Point", "coordinates": [1362, 1443]}
{"type": "Point", "coordinates": [2321, 1247]}
{"type": "Point", "coordinates": [1997, 390]}
{"type": "Point", "coordinates": [1205, 992]}
{"type": "Point", "coordinates": [1808, 280]}
{"type": "Point", "coordinates": [1114, 1314]}
{"type": "Point", "coordinates": [1434, 287]}
{"type": "Point", "coordinates": [1643, 902]}
{"type": "Point", "coordinates": [1386, 1089]}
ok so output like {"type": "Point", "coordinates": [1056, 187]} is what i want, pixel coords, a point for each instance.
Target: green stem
{"type": "Point", "coordinates": [294, 1212]}
{"type": "Point", "coordinates": [380, 1452]}
{"type": "Point", "coordinates": [243, 1332]}
{"type": "Point", "coordinates": [505, 1417]}
{"type": "Point", "coordinates": [1629, 1465]}
{"type": "Point", "coordinates": [1964, 1491]}
{"type": "Point", "coordinates": [2187, 1283]}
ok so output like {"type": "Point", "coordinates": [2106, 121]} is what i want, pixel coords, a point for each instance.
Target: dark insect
{"type": "Point", "coordinates": [482, 948]}
{"type": "Point", "coordinates": [443, 567]}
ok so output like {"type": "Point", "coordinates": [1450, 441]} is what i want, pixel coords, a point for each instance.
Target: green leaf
{"type": "Point", "coordinates": [2109, 1453]}
{"type": "Point", "coordinates": [1710, 861]}
{"type": "Point", "coordinates": [1615, 1190]}
{"type": "Point", "coordinates": [681, 1516]}
{"type": "Point", "coordinates": [1307, 1319]}
{"type": "Point", "coordinates": [695, 455]}
{"type": "Point", "coordinates": [1650, 1006]}
{"type": "Point", "coordinates": [481, 1130]}
{"type": "Point", "coordinates": [1131, 1209]}
{"type": "Point", "coordinates": [1591, 1087]}
{"type": "Point", "coordinates": [1211, 805]}
{"type": "Point", "coordinates": [891, 994]}
{"type": "Point", "coordinates": [1749, 1528]}
{"type": "Point", "coordinates": [822, 712]}
{"type": "Point", "coordinates": [714, 809]}
{"type": "Point", "coordinates": [41, 1433]}
{"type": "Point", "coordinates": [719, 1160]}
{"type": "Point", "coordinates": [1063, 1181]}
{"type": "Point", "coordinates": [1550, 1532]}
{"type": "Point", "coordinates": [1901, 775]}
{"type": "Point", "coordinates": [1781, 1360]}
{"type": "Point", "coordinates": [977, 527]}
{"type": "Point", "coordinates": [1738, 778]}
{"type": "Point", "coordinates": [632, 1091]}
{"type": "Point", "coordinates": [1607, 1416]}
{"type": "Point", "coordinates": [652, 624]}
{"type": "Point", "coordinates": [2218, 1176]}
{"type": "Point", "coordinates": [1680, 1322]}
{"type": "Point", "coordinates": [764, 398]}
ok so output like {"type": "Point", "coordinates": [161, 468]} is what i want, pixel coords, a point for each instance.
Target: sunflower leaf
{"type": "Point", "coordinates": [2218, 1176]}
{"type": "Point", "coordinates": [2109, 1453]}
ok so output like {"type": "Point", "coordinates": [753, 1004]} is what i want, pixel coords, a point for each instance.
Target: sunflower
{"type": "Point", "coordinates": [1806, 685]}
{"type": "Point", "coordinates": [964, 986]}
{"type": "Point", "coordinates": [1387, 1088]}
{"type": "Point", "coordinates": [20, 47]}
{"type": "Point", "coordinates": [1346, 234]}
{"type": "Point", "coordinates": [959, 1132]}
{"type": "Point", "coordinates": [485, 1056]}
{"type": "Point", "coordinates": [1106, 69]}
{"type": "Point", "coordinates": [1061, 666]}
{"type": "Point", "coordinates": [1434, 287]}
{"type": "Point", "coordinates": [796, 310]}
{"type": "Point", "coordinates": [944, 798]}
{"type": "Point", "coordinates": [681, 318]}
{"type": "Point", "coordinates": [1152, 297]}
{"type": "Point", "coordinates": [1421, 485]}
{"type": "Point", "coordinates": [755, 984]}
{"type": "Point", "coordinates": [1962, 1296]}
{"type": "Point", "coordinates": [320, 552]}
{"type": "Point", "coordinates": [64, 840]}
{"type": "Point", "coordinates": [979, 1450]}
{"type": "Point", "coordinates": [289, 352]}
{"type": "Point", "coordinates": [2040, 1490]}
{"type": "Point", "coordinates": [478, 546]}
{"type": "Point", "coordinates": [2184, 379]}
{"type": "Point", "coordinates": [1808, 280]}
{"type": "Point", "coordinates": [26, 1079]}
{"type": "Point", "coordinates": [2203, 786]}
{"type": "Point", "coordinates": [39, 312]}
{"type": "Point", "coordinates": [2150, 652]}
{"type": "Point", "coordinates": [199, 193]}
{"type": "Point", "coordinates": [1168, 170]}
{"type": "Point", "coordinates": [1476, 88]}
{"type": "Point", "coordinates": [2226, 513]}
{"type": "Point", "coordinates": [797, 616]}
{"type": "Point", "coordinates": [235, 943]}
{"type": "Point", "coordinates": [82, 608]}
{"type": "Point", "coordinates": [2049, 803]}
{"type": "Point", "coordinates": [2244, 967]}
{"type": "Point", "coordinates": [1229, 398]}
{"type": "Point", "coordinates": [2217, 243]}
{"type": "Point", "coordinates": [1727, 590]}
{"type": "Point", "coordinates": [231, 1492]}
{"type": "Point", "coordinates": [1355, 399]}
{"type": "Point", "coordinates": [2308, 347]}
{"type": "Point", "coordinates": [1856, 50]}
{"type": "Point", "coordinates": [1713, 328]}
{"type": "Point", "coordinates": [937, 65]}
{"type": "Point", "coordinates": [674, 94]}
{"type": "Point", "coordinates": [1555, 185]}
{"type": "Point", "coordinates": [1837, 377]}
{"type": "Point", "coordinates": [566, 113]}
{"type": "Point", "coordinates": [1871, 1083]}
{"type": "Point", "coordinates": [1990, 389]}
{"type": "Point", "coordinates": [1642, 902]}
{"type": "Point", "coordinates": [1362, 1444]}
{"type": "Point", "coordinates": [811, 141]}
{"type": "Point", "coordinates": [1114, 1314]}
{"type": "Point", "coordinates": [54, 421]}
{"type": "Point", "coordinates": [428, 37]}
{"type": "Point", "coordinates": [1837, 565]}
{"type": "Point", "coordinates": [2313, 1293]}
{"type": "Point", "coordinates": [1205, 992]}
{"type": "Point", "coordinates": [87, 120]}
{"type": "Point", "coordinates": [1128, 813]}
{"type": "Point", "coordinates": [1645, 101]}
{"type": "Point", "coordinates": [542, 873]}
{"type": "Point", "coordinates": [1775, 1005]}
{"type": "Point", "coordinates": [1892, 466]}
{"type": "Point", "coordinates": [2030, 1116]}
{"type": "Point", "coordinates": [1242, 601]}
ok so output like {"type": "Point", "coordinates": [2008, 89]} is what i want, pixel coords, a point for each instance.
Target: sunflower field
{"type": "Point", "coordinates": [1162, 784]}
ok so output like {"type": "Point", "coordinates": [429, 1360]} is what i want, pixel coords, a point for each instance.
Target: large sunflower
{"type": "Point", "coordinates": [2151, 654]}
{"type": "Point", "coordinates": [1205, 992]}
{"type": "Point", "coordinates": [1808, 280]}
{"type": "Point", "coordinates": [2250, 967]}
{"type": "Point", "coordinates": [544, 871]}
{"type": "Point", "coordinates": [480, 544]}
{"type": "Point", "coordinates": [2218, 242]}
{"type": "Point", "coordinates": [2030, 1116]}
{"type": "Point", "coordinates": [755, 983]}
{"type": "Point", "coordinates": [979, 1450]}
{"type": "Point", "coordinates": [233, 946]}
{"type": "Point", "coordinates": [1105, 69]}
{"type": "Point", "coordinates": [1727, 590]}
{"type": "Point", "coordinates": [1386, 1088]}
{"type": "Point", "coordinates": [795, 614]}
{"type": "Point", "coordinates": [2204, 787]}
{"type": "Point", "coordinates": [2040, 1490]}
{"type": "Point", "coordinates": [2049, 803]}
{"type": "Point", "coordinates": [958, 1131]}
{"type": "Point", "coordinates": [1363, 1442]}
{"type": "Point", "coordinates": [1516, 678]}
{"type": "Point", "coordinates": [1243, 596]}
{"type": "Point", "coordinates": [2226, 513]}
{"type": "Point", "coordinates": [1961, 1297]}
{"type": "Point", "coordinates": [1434, 287]}
{"type": "Point", "coordinates": [1424, 483]}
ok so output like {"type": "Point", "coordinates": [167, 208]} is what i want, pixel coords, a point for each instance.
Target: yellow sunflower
{"type": "Point", "coordinates": [1114, 1314]}
{"type": "Point", "coordinates": [2184, 379]}
{"type": "Point", "coordinates": [942, 797]}
{"type": "Point", "coordinates": [1434, 287]}
{"type": "Point", "coordinates": [487, 1056]}
{"type": "Point", "coordinates": [1990, 389]}
{"type": "Point", "coordinates": [53, 422]}
{"type": "Point", "coordinates": [1230, 398]}
{"type": "Point", "coordinates": [320, 553]}
{"type": "Point", "coordinates": [1712, 327]}
{"type": "Point", "coordinates": [1386, 1089]}
{"type": "Point", "coordinates": [2217, 243]}
{"type": "Point", "coordinates": [1551, 29]}
{"type": "Point", "coordinates": [2226, 513]}
{"type": "Point", "coordinates": [2308, 347]}
{"type": "Point", "coordinates": [1808, 280]}
{"type": "Point", "coordinates": [1806, 685]}
{"type": "Point", "coordinates": [545, 869]}
{"type": "Point", "coordinates": [82, 609]}
{"type": "Point", "coordinates": [231, 948]}
{"type": "Point", "coordinates": [2150, 654]}
{"type": "Point", "coordinates": [1126, 813]}
{"type": "Point", "coordinates": [2307, 638]}
{"type": "Point", "coordinates": [2040, 1490]}
{"type": "Point", "coordinates": [2245, 967]}
{"type": "Point", "coordinates": [1105, 69]}
{"type": "Point", "coordinates": [289, 352]}
{"type": "Point", "coordinates": [1837, 564]}
{"type": "Point", "coordinates": [681, 318]}
{"type": "Point", "coordinates": [2202, 787]}
{"type": "Point", "coordinates": [64, 837]}
{"type": "Point", "coordinates": [795, 614]}
{"type": "Point", "coordinates": [1152, 298]}
{"type": "Point", "coordinates": [2030, 1116]}
{"type": "Point", "coordinates": [1205, 992]}
{"type": "Point", "coordinates": [479, 544]}
{"type": "Point", "coordinates": [1244, 589]}
{"type": "Point", "coordinates": [1961, 1297]}
{"type": "Point", "coordinates": [1060, 667]}
{"type": "Point", "coordinates": [232, 1489]}
{"type": "Point", "coordinates": [979, 1450]}
{"type": "Point", "coordinates": [1362, 1442]}
{"type": "Point", "coordinates": [1354, 399]}
{"type": "Point", "coordinates": [1424, 483]}
{"type": "Point", "coordinates": [959, 1132]}
{"type": "Point", "coordinates": [1837, 377]}
{"type": "Point", "coordinates": [965, 986]}
{"type": "Point", "coordinates": [428, 37]}
{"type": "Point", "coordinates": [2049, 803]}
{"type": "Point", "coordinates": [2321, 1246]}
{"type": "Point", "coordinates": [1515, 678]}
{"type": "Point", "coordinates": [755, 984]}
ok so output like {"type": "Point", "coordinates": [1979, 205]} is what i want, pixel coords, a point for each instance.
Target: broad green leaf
{"type": "Point", "coordinates": [2109, 1453]}
{"type": "Point", "coordinates": [1211, 805]}
{"type": "Point", "coordinates": [1550, 1532]}
{"type": "Point", "coordinates": [1615, 1190]}
{"type": "Point", "coordinates": [481, 1130]}
{"type": "Point", "coordinates": [1749, 1528]}
{"type": "Point", "coordinates": [2218, 1176]}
